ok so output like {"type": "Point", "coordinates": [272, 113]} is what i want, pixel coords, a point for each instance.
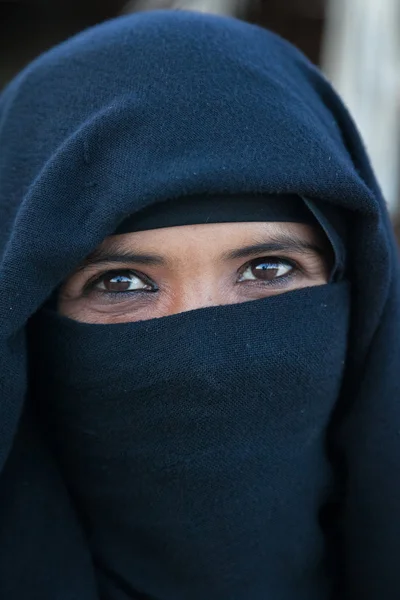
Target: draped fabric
{"type": "Point", "coordinates": [148, 108]}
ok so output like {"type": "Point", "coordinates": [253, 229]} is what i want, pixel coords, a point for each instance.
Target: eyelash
{"type": "Point", "coordinates": [90, 286]}
{"type": "Point", "coordinates": [277, 281]}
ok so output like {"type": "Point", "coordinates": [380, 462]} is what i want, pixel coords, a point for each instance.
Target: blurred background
{"type": "Point", "coordinates": [355, 42]}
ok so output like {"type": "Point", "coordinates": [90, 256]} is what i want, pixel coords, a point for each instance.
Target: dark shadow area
{"type": "Point", "coordinates": [30, 27]}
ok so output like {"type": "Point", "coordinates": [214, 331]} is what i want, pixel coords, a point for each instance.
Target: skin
{"type": "Point", "coordinates": [156, 273]}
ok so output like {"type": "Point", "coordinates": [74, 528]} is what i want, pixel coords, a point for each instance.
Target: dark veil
{"type": "Point", "coordinates": [164, 105]}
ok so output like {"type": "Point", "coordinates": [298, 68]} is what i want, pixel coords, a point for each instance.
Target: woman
{"type": "Point", "coordinates": [199, 325]}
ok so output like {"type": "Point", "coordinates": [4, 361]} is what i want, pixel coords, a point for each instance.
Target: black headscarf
{"type": "Point", "coordinates": [276, 480]}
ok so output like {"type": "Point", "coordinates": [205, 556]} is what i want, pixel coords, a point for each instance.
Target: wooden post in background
{"type": "Point", "coordinates": [218, 7]}
{"type": "Point", "coordinates": [361, 56]}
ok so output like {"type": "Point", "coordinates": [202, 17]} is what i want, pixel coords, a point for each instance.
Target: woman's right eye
{"type": "Point", "coordinates": [117, 282]}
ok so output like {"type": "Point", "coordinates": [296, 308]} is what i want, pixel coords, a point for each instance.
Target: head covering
{"type": "Point", "coordinates": [217, 209]}
{"type": "Point", "coordinates": [247, 451]}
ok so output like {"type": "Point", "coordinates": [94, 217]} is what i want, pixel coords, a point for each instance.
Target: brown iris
{"type": "Point", "coordinates": [121, 282]}
{"type": "Point", "coordinates": [268, 269]}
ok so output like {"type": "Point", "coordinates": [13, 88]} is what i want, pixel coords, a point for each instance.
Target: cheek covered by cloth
{"type": "Point", "coordinates": [194, 445]}
{"type": "Point", "coordinates": [243, 452]}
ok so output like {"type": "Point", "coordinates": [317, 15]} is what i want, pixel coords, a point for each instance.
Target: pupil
{"type": "Point", "coordinates": [265, 271]}
{"type": "Point", "coordinates": [117, 283]}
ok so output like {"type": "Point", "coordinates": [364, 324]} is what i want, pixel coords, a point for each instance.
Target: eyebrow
{"type": "Point", "coordinates": [281, 243]}
{"type": "Point", "coordinates": [113, 253]}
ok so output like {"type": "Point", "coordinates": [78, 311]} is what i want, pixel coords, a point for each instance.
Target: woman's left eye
{"type": "Point", "coordinates": [266, 269]}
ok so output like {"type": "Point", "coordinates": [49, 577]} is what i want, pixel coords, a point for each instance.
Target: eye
{"type": "Point", "coordinates": [266, 269]}
{"type": "Point", "coordinates": [115, 282]}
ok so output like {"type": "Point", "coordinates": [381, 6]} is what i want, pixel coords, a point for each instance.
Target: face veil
{"type": "Point", "coordinates": [306, 495]}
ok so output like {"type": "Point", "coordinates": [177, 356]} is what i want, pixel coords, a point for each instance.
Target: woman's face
{"type": "Point", "coordinates": [149, 274]}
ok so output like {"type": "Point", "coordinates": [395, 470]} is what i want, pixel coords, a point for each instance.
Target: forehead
{"type": "Point", "coordinates": [213, 235]}
{"type": "Point", "coordinates": [216, 242]}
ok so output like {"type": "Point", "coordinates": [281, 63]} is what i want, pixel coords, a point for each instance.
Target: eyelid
{"type": "Point", "coordinates": [90, 283]}
{"type": "Point", "coordinates": [273, 258]}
